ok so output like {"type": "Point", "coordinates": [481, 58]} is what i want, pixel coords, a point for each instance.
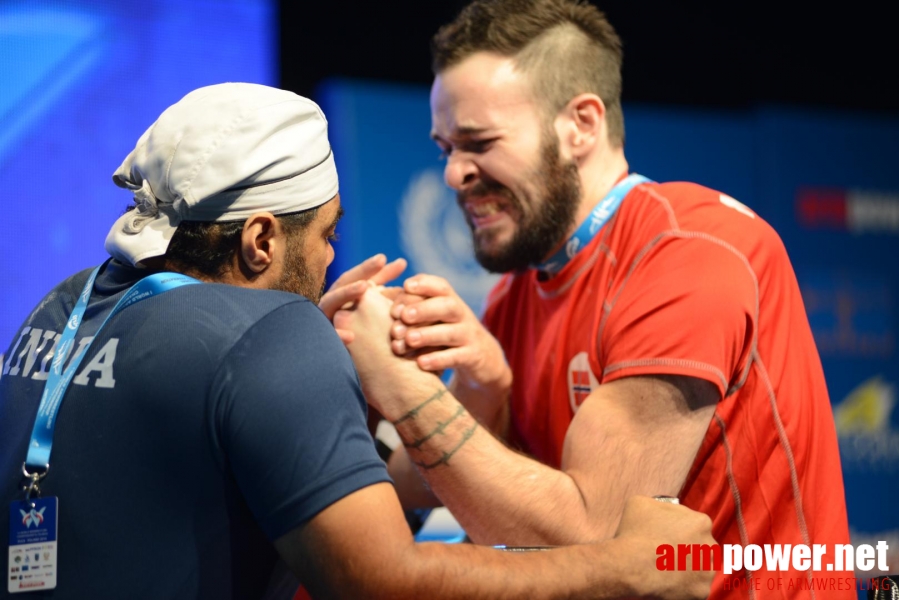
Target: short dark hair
{"type": "Point", "coordinates": [568, 47]}
{"type": "Point", "coordinates": [208, 248]}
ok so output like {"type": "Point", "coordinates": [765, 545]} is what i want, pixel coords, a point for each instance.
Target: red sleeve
{"type": "Point", "coordinates": [687, 305]}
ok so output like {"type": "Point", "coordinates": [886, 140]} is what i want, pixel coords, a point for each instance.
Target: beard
{"type": "Point", "coordinates": [296, 277]}
{"type": "Point", "coordinates": [553, 204]}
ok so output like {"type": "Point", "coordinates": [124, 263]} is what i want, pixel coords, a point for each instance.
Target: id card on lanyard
{"type": "Point", "coordinates": [33, 521]}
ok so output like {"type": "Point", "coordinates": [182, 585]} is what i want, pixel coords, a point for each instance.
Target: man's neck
{"type": "Point", "coordinates": [599, 174]}
{"type": "Point", "coordinates": [237, 273]}
{"type": "Point", "coordinates": [161, 263]}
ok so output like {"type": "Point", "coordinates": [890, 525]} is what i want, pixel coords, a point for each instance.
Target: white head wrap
{"type": "Point", "coordinates": [222, 153]}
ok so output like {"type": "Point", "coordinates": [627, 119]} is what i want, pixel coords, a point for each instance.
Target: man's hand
{"type": "Point", "coordinates": [350, 286]}
{"type": "Point", "coordinates": [647, 524]}
{"type": "Point", "coordinates": [380, 370]}
{"type": "Point", "coordinates": [433, 320]}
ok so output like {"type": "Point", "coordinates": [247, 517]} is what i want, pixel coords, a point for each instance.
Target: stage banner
{"type": "Point", "coordinates": [832, 180]}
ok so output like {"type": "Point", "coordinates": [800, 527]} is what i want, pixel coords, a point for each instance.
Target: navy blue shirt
{"type": "Point", "coordinates": [202, 424]}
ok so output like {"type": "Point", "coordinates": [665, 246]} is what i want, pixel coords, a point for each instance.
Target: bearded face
{"type": "Point", "coordinates": [545, 207]}
{"type": "Point", "coordinates": [297, 278]}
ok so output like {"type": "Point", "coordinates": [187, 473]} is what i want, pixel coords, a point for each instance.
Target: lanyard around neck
{"type": "Point", "coordinates": [591, 226]}
{"type": "Point", "coordinates": [38, 459]}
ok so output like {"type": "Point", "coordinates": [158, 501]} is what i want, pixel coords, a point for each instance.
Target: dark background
{"type": "Point", "coordinates": [731, 55]}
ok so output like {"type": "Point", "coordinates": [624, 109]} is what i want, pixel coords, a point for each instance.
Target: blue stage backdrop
{"type": "Point", "coordinates": [79, 83]}
{"type": "Point", "coordinates": [828, 182]}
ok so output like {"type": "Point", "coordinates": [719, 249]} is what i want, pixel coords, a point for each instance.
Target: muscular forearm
{"type": "Point", "coordinates": [489, 404]}
{"type": "Point", "coordinates": [634, 436]}
{"type": "Point", "coordinates": [409, 485]}
{"type": "Point", "coordinates": [343, 552]}
{"type": "Point", "coordinates": [498, 496]}
{"type": "Point", "coordinates": [470, 572]}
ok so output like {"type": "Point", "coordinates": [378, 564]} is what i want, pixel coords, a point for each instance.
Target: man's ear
{"type": "Point", "coordinates": [581, 124]}
{"type": "Point", "coordinates": [259, 241]}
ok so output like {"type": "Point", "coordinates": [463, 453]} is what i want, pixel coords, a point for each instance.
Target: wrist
{"type": "Point", "coordinates": [488, 401]}
{"type": "Point", "coordinates": [410, 389]}
{"type": "Point", "coordinates": [494, 383]}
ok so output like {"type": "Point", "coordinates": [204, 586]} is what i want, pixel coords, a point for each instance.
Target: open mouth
{"type": "Point", "coordinates": [486, 210]}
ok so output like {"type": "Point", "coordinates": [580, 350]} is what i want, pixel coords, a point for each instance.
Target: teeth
{"type": "Point", "coordinates": [484, 209]}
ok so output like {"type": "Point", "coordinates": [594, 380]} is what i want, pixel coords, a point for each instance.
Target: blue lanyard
{"type": "Point", "coordinates": [589, 228]}
{"type": "Point", "coordinates": [38, 459]}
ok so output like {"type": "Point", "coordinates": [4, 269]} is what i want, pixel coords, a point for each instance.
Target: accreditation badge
{"type": "Point", "coordinates": [32, 544]}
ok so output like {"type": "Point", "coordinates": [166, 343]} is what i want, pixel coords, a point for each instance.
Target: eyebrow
{"type": "Point", "coordinates": [461, 132]}
{"type": "Point", "coordinates": [337, 217]}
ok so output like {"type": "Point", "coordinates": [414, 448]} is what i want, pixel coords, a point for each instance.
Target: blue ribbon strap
{"type": "Point", "coordinates": [38, 459]}
{"type": "Point", "coordinates": [591, 226]}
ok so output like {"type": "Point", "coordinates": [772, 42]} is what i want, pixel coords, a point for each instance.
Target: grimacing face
{"type": "Point", "coordinates": [553, 201]}
{"type": "Point", "coordinates": [518, 195]}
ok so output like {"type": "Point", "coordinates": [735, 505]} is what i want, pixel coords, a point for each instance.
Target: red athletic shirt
{"type": "Point", "coordinates": [684, 280]}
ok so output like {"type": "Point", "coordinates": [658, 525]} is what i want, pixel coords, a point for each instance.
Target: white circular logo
{"type": "Point", "coordinates": [581, 380]}
{"type": "Point", "coordinates": [437, 239]}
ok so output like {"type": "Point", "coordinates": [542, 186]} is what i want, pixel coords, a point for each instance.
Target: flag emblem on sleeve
{"type": "Point", "coordinates": [581, 380]}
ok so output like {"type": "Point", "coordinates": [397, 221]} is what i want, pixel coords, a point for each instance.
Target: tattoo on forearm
{"type": "Point", "coordinates": [441, 427]}
{"type": "Point", "coordinates": [412, 413]}
{"type": "Point", "coordinates": [444, 460]}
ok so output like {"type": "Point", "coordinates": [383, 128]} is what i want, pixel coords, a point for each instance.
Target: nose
{"type": "Point", "coordinates": [460, 172]}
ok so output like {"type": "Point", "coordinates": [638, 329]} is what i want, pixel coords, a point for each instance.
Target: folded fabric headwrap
{"type": "Point", "coordinates": [222, 153]}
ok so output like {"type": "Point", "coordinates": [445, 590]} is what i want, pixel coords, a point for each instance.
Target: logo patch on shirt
{"type": "Point", "coordinates": [581, 380]}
